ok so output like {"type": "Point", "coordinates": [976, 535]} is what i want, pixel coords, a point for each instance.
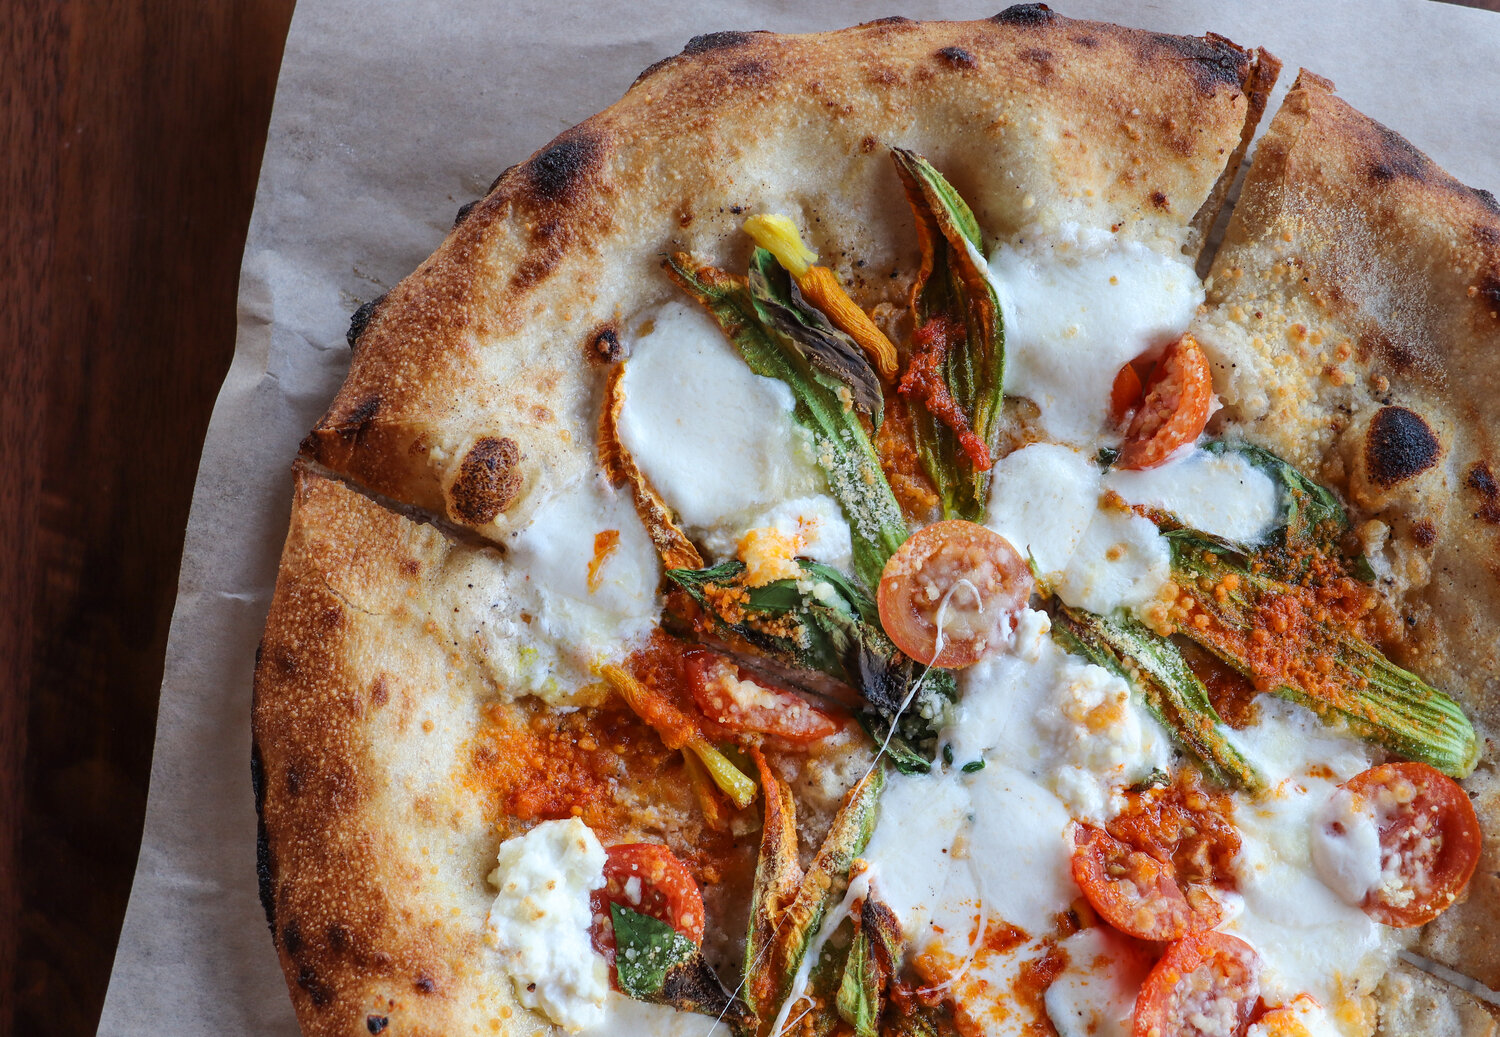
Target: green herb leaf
{"type": "Point", "coordinates": [953, 285]}
{"type": "Point", "coordinates": [973, 766]}
{"type": "Point", "coordinates": [840, 442]}
{"type": "Point", "coordinates": [656, 963]}
{"type": "Point", "coordinates": [1156, 669]}
{"type": "Point", "coordinates": [805, 330]}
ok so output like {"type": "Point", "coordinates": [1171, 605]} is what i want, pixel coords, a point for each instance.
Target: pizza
{"type": "Point", "coordinates": [837, 543]}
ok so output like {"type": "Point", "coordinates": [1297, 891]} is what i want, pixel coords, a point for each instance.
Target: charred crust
{"type": "Point", "coordinates": [1396, 157]}
{"type": "Point", "coordinates": [605, 346]}
{"type": "Point", "coordinates": [890, 19]}
{"type": "Point", "coordinates": [376, 1023]}
{"type": "Point", "coordinates": [1086, 40]}
{"type": "Point", "coordinates": [1399, 445]}
{"type": "Point", "coordinates": [360, 319]}
{"type": "Point", "coordinates": [1211, 60]}
{"type": "Point", "coordinates": [1424, 533]}
{"type": "Point", "coordinates": [1025, 15]}
{"type": "Point", "coordinates": [1481, 480]}
{"type": "Point", "coordinates": [291, 937]}
{"type": "Point", "coordinates": [562, 167]}
{"type": "Point", "coordinates": [651, 70]}
{"type": "Point", "coordinates": [338, 937]}
{"type": "Point", "coordinates": [956, 57]}
{"type": "Point", "coordinates": [265, 870]}
{"type": "Point", "coordinates": [1041, 57]}
{"type": "Point", "coordinates": [1159, 200]}
{"type": "Point", "coordinates": [463, 212]}
{"type": "Point", "coordinates": [503, 174]}
{"type": "Point", "coordinates": [1489, 291]}
{"type": "Point", "coordinates": [425, 985]}
{"type": "Point", "coordinates": [717, 41]}
{"type": "Point", "coordinates": [1486, 199]}
{"type": "Point", "coordinates": [352, 425]}
{"type": "Point", "coordinates": [293, 781]}
{"type": "Point", "coordinates": [488, 480]}
{"type": "Point", "coordinates": [320, 993]}
{"type": "Point", "coordinates": [755, 68]}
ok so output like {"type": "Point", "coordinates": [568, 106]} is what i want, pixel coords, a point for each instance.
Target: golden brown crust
{"type": "Point", "coordinates": [1037, 119]}
{"type": "Point", "coordinates": [371, 855]}
{"type": "Point", "coordinates": [1354, 317]}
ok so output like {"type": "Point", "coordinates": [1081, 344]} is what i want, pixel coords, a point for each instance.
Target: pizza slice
{"type": "Point", "coordinates": [879, 587]}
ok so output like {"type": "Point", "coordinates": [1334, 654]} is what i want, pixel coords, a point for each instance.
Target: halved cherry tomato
{"type": "Point", "coordinates": [1206, 985]}
{"type": "Point", "coordinates": [1135, 892]}
{"type": "Point", "coordinates": [1177, 402]}
{"type": "Point", "coordinates": [970, 575]}
{"type": "Point", "coordinates": [734, 699]}
{"type": "Point", "coordinates": [1126, 394]}
{"type": "Point", "coordinates": [1429, 840]}
{"type": "Point", "coordinates": [650, 879]}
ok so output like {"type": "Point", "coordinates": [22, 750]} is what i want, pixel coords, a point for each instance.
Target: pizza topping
{"type": "Point", "coordinates": [1303, 1017]}
{"type": "Point", "coordinates": [679, 731]}
{"type": "Point", "coordinates": [733, 699]}
{"type": "Point", "coordinates": [950, 594]}
{"type": "Point", "coordinates": [1346, 846]}
{"type": "Point", "coordinates": [540, 921]}
{"type": "Point", "coordinates": [955, 376]}
{"type": "Point", "coordinates": [1429, 841]}
{"type": "Point", "coordinates": [1080, 303]}
{"type": "Point", "coordinates": [778, 236]}
{"type": "Point", "coordinates": [1132, 890]}
{"type": "Point", "coordinates": [1094, 996]}
{"type": "Point", "coordinates": [650, 880]}
{"type": "Point", "coordinates": [1179, 397]}
{"type": "Point", "coordinates": [840, 443]}
{"type": "Point", "coordinates": [1205, 985]}
{"type": "Point", "coordinates": [1214, 490]}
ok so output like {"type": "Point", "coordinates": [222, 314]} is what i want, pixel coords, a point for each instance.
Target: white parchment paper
{"type": "Point", "coordinates": [387, 118]}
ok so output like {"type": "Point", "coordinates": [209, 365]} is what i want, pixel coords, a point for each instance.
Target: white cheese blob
{"type": "Point", "coordinates": [1308, 938]}
{"type": "Point", "coordinates": [1095, 995]}
{"type": "Point", "coordinates": [814, 525]}
{"type": "Point", "coordinates": [1346, 847]}
{"type": "Point", "coordinates": [565, 624]}
{"type": "Point", "coordinates": [1072, 726]}
{"type": "Point", "coordinates": [1304, 1017]}
{"type": "Point", "coordinates": [716, 440]}
{"type": "Point", "coordinates": [1219, 493]}
{"type": "Point", "coordinates": [1045, 499]}
{"type": "Point", "coordinates": [1077, 306]}
{"type": "Point", "coordinates": [540, 921]}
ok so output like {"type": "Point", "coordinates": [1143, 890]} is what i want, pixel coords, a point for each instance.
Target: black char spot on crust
{"type": "Point", "coordinates": [1212, 61]}
{"type": "Point", "coordinates": [463, 212]}
{"type": "Point", "coordinates": [1486, 199]}
{"type": "Point", "coordinates": [376, 1023]}
{"type": "Point", "coordinates": [1025, 14]}
{"type": "Point", "coordinates": [956, 57]}
{"type": "Point", "coordinates": [487, 480]}
{"type": "Point", "coordinates": [1399, 445]}
{"type": "Point", "coordinates": [359, 320]}
{"type": "Point", "coordinates": [559, 169]}
{"type": "Point", "coordinates": [265, 869]}
{"type": "Point", "coordinates": [890, 19]}
{"type": "Point", "coordinates": [605, 346]}
{"type": "Point", "coordinates": [1481, 480]}
{"type": "Point", "coordinates": [353, 424]}
{"type": "Point", "coordinates": [1395, 156]}
{"type": "Point", "coordinates": [717, 41]}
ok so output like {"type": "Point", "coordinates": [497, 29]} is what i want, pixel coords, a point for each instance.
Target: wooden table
{"type": "Point", "coordinates": [132, 140]}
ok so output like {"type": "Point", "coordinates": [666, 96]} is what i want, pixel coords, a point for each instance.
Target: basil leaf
{"type": "Point", "coordinates": [803, 328]}
{"type": "Point", "coordinates": [656, 963]}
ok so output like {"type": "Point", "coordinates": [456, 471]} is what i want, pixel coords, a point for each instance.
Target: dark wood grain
{"type": "Point", "coordinates": [140, 128]}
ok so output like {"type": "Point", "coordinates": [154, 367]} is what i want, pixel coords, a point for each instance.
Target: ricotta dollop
{"type": "Point", "coordinates": [540, 919]}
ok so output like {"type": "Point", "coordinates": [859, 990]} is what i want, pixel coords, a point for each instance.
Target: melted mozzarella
{"type": "Point", "coordinates": [814, 527]}
{"type": "Point", "coordinates": [1304, 1017]}
{"type": "Point", "coordinates": [1076, 308]}
{"type": "Point", "coordinates": [574, 626]}
{"type": "Point", "coordinates": [1308, 938]}
{"type": "Point", "coordinates": [1219, 493]}
{"type": "Point", "coordinates": [540, 921]}
{"type": "Point", "coordinates": [1070, 725]}
{"type": "Point", "coordinates": [1046, 501]}
{"type": "Point", "coordinates": [1346, 847]}
{"type": "Point", "coordinates": [1095, 995]}
{"type": "Point", "coordinates": [627, 1017]}
{"type": "Point", "coordinates": [716, 440]}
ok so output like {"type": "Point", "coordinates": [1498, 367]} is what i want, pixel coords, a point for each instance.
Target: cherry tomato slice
{"type": "Point", "coordinates": [1126, 394]}
{"type": "Point", "coordinates": [650, 879]}
{"type": "Point", "coordinates": [1135, 892]}
{"type": "Point", "coordinates": [735, 700]}
{"type": "Point", "coordinates": [1429, 841]}
{"type": "Point", "coordinates": [1177, 402]}
{"type": "Point", "coordinates": [970, 575]}
{"type": "Point", "coordinates": [1206, 985]}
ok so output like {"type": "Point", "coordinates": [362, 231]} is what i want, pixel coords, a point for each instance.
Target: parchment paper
{"type": "Point", "coordinates": [387, 118]}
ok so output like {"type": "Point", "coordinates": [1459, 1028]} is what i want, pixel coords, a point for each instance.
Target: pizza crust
{"type": "Point", "coordinates": [1037, 119]}
{"type": "Point", "coordinates": [1354, 321]}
